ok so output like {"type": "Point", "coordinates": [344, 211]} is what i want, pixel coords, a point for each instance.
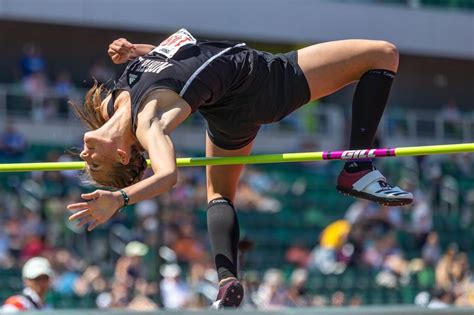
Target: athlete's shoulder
{"type": "Point", "coordinates": [16, 303]}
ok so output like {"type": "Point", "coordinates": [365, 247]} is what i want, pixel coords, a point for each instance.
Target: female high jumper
{"type": "Point", "coordinates": [236, 89]}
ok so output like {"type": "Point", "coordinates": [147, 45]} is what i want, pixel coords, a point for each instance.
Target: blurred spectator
{"type": "Point", "coordinates": [377, 250]}
{"type": "Point", "coordinates": [101, 72]}
{"type": "Point", "coordinates": [298, 254]}
{"type": "Point", "coordinates": [91, 281]}
{"type": "Point", "coordinates": [459, 271]}
{"type": "Point", "coordinates": [443, 268]}
{"type": "Point", "coordinates": [355, 301]}
{"type": "Point", "coordinates": [251, 283]}
{"type": "Point", "coordinates": [319, 301]}
{"type": "Point", "coordinates": [175, 292]}
{"type": "Point", "coordinates": [465, 291]}
{"type": "Point", "coordinates": [63, 88]}
{"type": "Point", "coordinates": [369, 222]}
{"type": "Point", "coordinates": [69, 175]}
{"type": "Point", "coordinates": [394, 272]}
{"type": "Point", "coordinates": [271, 294]}
{"type": "Point", "coordinates": [421, 220]}
{"type": "Point", "coordinates": [297, 289]}
{"type": "Point", "coordinates": [440, 298]}
{"type": "Point", "coordinates": [452, 117]}
{"type": "Point", "coordinates": [32, 60]}
{"type": "Point", "coordinates": [129, 267]}
{"type": "Point", "coordinates": [34, 245]}
{"type": "Point", "coordinates": [37, 274]}
{"type": "Point", "coordinates": [465, 164]}
{"type": "Point", "coordinates": [120, 295]}
{"type": "Point", "coordinates": [67, 276]}
{"type": "Point", "coordinates": [431, 251]}
{"type": "Point", "coordinates": [365, 212]}
{"type": "Point", "coordinates": [188, 248]}
{"type": "Point", "coordinates": [202, 280]}
{"type": "Point", "coordinates": [141, 301]}
{"type": "Point", "coordinates": [36, 87]}
{"type": "Point", "coordinates": [104, 300]}
{"type": "Point", "coordinates": [422, 299]}
{"type": "Point", "coordinates": [6, 260]}
{"type": "Point", "coordinates": [258, 180]}
{"type": "Point", "coordinates": [360, 210]}
{"type": "Point", "coordinates": [13, 143]}
{"type": "Point", "coordinates": [338, 299]}
{"type": "Point", "coordinates": [250, 199]}
{"type": "Point", "coordinates": [332, 254]}
{"type": "Point", "coordinates": [147, 221]}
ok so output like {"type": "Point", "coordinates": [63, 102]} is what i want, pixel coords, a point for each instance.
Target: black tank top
{"type": "Point", "coordinates": [192, 68]}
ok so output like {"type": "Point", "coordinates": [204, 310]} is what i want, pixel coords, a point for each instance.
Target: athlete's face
{"type": "Point", "coordinates": [112, 161]}
{"type": "Point", "coordinates": [98, 152]}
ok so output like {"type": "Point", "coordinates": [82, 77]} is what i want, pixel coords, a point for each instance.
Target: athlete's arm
{"type": "Point", "coordinates": [162, 112]}
{"type": "Point", "coordinates": [121, 50]}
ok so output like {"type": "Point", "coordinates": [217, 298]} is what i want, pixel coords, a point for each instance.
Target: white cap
{"type": "Point", "coordinates": [170, 270]}
{"type": "Point", "coordinates": [35, 267]}
{"type": "Point", "coordinates": [136, 248]}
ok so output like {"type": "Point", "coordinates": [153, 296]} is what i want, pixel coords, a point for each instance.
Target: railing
{"type": "Point", "coordinates": [428, 125]}
{"type": "Point", "coordinates": [15, 102]}
{"type": "Point", "coordinates": [320, 121]}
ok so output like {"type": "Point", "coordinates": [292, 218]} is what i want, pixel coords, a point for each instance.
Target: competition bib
{"type": "Point", "coordinates": [172, 44]}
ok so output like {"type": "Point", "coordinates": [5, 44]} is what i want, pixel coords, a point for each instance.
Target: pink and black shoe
{"type": "Point", "coordinates": [230, 295]}
{"type": "Point", "coordinates": [372, 185]}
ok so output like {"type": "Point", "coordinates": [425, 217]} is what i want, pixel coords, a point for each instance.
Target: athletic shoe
{"type": "Point", "coordinates": [372, 185]}
{"type": "Point", "coordinates": [230, 295]}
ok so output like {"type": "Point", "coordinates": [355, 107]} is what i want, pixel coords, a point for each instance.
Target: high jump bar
{"type": "Point", "coordinates": [266, 158]}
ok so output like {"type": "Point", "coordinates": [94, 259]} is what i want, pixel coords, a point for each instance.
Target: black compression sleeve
{"type": "Point", "coordinates": [368, 105]}
{"type": "Point", "coordinates": [223, 227]}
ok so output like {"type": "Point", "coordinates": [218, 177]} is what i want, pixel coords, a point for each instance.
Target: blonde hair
{"type": "Point", "coordinates": [119, 175]}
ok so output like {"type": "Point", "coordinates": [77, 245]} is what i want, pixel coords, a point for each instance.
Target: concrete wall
{"type": "Point", "coordinates": [442, 33]}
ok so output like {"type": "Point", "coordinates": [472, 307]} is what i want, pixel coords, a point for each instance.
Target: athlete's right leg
{"type": "Point", "coordinates": [331, 66]}
{"type": "Point", "coordinates": [222, 223]}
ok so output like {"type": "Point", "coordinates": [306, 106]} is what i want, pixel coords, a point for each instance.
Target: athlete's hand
{"type": "Point", "coordinates": [121, 51]}
{"type": "Point", "coordinates": [100, 206]}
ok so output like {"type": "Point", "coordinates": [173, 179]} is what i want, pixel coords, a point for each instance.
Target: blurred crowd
{"type": "Point", "coordinates": [44, 93]}
{"type": "Point", "coordinates": [116, 265]}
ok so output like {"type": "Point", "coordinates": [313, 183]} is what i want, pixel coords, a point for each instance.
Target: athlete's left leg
{"type": "Point", "coordinates": [223, 224]}
{"type": "Point", "coordinates": [331, 66]}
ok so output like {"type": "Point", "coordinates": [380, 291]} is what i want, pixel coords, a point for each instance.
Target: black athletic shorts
{"type": "Point", "coordinates": [274, 86]}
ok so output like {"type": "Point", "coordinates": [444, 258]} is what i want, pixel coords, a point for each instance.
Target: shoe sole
{"type": "Point", "coordinates": [233, 296]}
{"type": "Point", "coordinates": [382, 201]}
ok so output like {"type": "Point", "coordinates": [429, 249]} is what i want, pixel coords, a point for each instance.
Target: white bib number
{"type": "Point", "coordinates": [172, 44]}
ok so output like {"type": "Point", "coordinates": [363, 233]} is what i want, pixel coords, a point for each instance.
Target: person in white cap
{"type": "Point", "coordinates": [128, 267]}
{"type": "Point", "coordinates": [174, 291]}
{"type": "Point", "coordinates": [37, 273]}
